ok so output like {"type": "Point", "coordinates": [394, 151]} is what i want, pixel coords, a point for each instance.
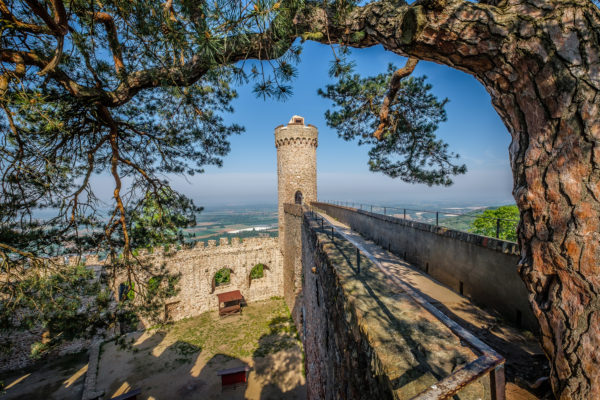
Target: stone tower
{"type": "Point", "coordinates": [296, 145]}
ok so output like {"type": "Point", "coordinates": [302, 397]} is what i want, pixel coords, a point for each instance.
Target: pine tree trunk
{"type": "Point", "coordinates": [539, 60]}
{"type": "Point", "coordinates": [545, 85]}
{"type": "Point", "coordinates": [552, 112]}
{"type": "Point", "coordinates": [544, 81]}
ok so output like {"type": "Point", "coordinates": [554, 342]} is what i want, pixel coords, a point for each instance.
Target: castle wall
{"type": "Point", "coordinates": [18, 356]}
{"type": "Point", "coordinates": [199, 265]}
{"type": "Point", "coordinates": [483, 269]}
{"type": "Point", "coordinates": [292, 262]}
{"type": "Point", "coordinates": [364, 338]}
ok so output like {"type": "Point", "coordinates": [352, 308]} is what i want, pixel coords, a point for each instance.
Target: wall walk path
{"type": "Point", "coordinates": [517, 346]}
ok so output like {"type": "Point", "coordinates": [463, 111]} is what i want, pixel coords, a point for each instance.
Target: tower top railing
{"type": "Point", "coordinates": [500, 228]}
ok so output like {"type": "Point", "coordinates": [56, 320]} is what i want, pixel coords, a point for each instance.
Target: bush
{"type": "Point", "coordinates": [485, 224]}
{"type": "Point", "coordinates": [222, 277]}
{"type": "Point", "coordinates": [257, 271]}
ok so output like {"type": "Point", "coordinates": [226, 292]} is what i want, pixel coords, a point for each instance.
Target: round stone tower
{"type": "Point", "coordinates": [296, 145]}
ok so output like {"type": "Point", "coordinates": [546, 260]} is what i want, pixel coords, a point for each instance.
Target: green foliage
{"type": "Point", "coordinates": [257, 271]}
{"type": "Point", "coordinates": [159, 219]}
{"type": "Point", "coordinates": [312, 36]}
{"type": "Point", "coordinates": [485, 224]}
{"type": "Point", "coordinates": [165, 286]}
{"type": "Point", "coordinates": [223, 277]}
{"type": "Point", "coordinates": [128, 291]}
{"type": "Point", "coordinates": [38, 349]}
{"type": "Point", "coordinates": [409, 150]}
{"type": "Point", "coordinates": [68, 303]}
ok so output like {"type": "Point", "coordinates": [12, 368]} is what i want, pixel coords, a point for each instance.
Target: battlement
{"type": "Point", "coordinates": [296, 141]}
{"type": "Point", "coordinates": [296, 133]}
{"type": "Point", "coordinates": [200, 248]}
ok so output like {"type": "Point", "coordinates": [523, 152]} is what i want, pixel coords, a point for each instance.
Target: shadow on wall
{"type": "Point", "coordinates": [413, 333]}
{"type": "Point", "coordinates": [519, 362]}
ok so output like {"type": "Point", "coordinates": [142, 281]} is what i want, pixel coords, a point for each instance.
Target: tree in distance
{"type": "Point", "coordinates": [486, 223]}
{"type": "Point", "coordinates": [137, 89]}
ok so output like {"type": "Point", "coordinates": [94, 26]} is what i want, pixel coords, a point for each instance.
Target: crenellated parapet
{"type": "Point", "coordinates": [200, 248]}
{"type": "Point", "coordinates": [197, 267]}
{"type": "Point", "coordinates": [297, 141]}
{"type": "Point", "coordinates": [296, 133]}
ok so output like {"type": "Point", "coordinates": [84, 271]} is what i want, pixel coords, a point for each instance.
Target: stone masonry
{"type": "Point", "coordinates": [199, 265]}
{"type": "Point", "coordinates": [296, 145]}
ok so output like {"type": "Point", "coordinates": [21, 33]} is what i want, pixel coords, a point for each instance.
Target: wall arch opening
{"type": "Point", "coordinates": [221, 278]}
{"type": "Point", "coordinates": [259, 271]}
{"type": "Point", "coordinates": [126, 291]}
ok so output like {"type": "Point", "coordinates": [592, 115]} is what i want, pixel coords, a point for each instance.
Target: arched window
{"type": "Point", "coordinates": [298, 197]}
{"type": "Point", "coordinates": [257, 272]}
{"type": "Point", "coordinates": [221, 278]}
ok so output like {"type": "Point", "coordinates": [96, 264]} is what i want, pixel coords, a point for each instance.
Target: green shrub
{"type": "Point", "coordinates": [257, 271]}
{"type": "Point", "coordinates": [485, 224]}
{"type": "Point", "coordinates": [223, 276]}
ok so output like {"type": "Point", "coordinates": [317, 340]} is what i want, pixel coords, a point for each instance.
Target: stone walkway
{"type": "Point", "coordinates": [519, 349]}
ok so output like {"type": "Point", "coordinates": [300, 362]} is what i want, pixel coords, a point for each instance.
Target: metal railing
{"type": "Point", "coordinates": [488, 361]}
{"type": "Point", "coordinates": [443, 218]}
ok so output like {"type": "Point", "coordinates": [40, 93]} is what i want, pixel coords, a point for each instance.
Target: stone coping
{"type": "Point", "coordinates": [89, 385]}
{"type": "Point", "coordinates": [499, 245]}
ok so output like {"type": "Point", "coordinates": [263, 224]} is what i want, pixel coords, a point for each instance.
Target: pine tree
{"type": "Point", "coordinates": [138, 88]}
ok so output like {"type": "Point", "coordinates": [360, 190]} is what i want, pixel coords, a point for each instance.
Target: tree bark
{"type": "Point", "coordinates": [539, 61]}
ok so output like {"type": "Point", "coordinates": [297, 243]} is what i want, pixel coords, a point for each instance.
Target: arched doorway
{"type": "Point", "coordinates": [298, 197]}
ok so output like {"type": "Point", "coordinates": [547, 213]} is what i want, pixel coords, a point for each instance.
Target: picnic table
{"type": "Point", "coordinates": [230, 302]}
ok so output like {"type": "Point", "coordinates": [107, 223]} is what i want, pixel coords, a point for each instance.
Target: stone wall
{"type": "Point", "coordinates": [292, 262]}
{"type": "Point", "coordinates": [199, 265]}
{"type": "Point", "coordinates": [18, 354]}
{"type": "Point", "coordinates": [197, 293]}
{"type": "Point", "coordinates": [364, 339]}
{"type": "Point", "coordinates": [481, 268]}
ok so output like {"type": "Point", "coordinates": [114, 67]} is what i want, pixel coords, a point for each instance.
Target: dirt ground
{"type": "Point", "coordinates": [182, 361]}
{"type": "Point", "coordinates": [59, 379]}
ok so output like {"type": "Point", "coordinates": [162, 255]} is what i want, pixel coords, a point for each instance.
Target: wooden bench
{"type": "Point", "coordinates": [230, 310]}
{"type": "Point", "coordinates": [230, 302]}
{"type": "Point", "coordinates": [132, 394]}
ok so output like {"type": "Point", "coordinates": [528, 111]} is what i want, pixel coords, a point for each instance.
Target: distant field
{"type": "Point", "coordinates": [215, 224]}
{"type": "Point", "coordinates": [218, 223]}
{"type": "Point", "coordinates": [458, 218]}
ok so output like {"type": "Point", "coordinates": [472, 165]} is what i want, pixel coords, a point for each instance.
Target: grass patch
{"type": "Point", "coordinates": [264, 328]}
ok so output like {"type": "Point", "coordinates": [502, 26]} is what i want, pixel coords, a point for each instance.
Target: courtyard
{"type": "Point", "coordinates": [181, 360]}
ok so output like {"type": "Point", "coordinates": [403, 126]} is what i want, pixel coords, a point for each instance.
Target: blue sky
{"type": "Point", "coordinates": [248, 177]}
{"type": "Point", "coordinates": [474, 130]}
